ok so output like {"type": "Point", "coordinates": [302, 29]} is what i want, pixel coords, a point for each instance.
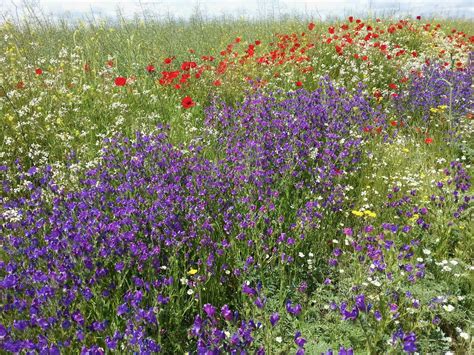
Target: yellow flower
{"type": "Point", "coordinates": [414, 218]}
{"type": "Point", "coordinates": [358, 213]}
{"type": "Point", "coordinates": [370, 214]}
{"type": "Point", "coordinates": [442, 107]}
{"type": "Point", "coordinates": [434, 110]}
{"type": "Point", "coordinates": [192, 271]}
{"type": "Point", "coordinates": [406, 150]}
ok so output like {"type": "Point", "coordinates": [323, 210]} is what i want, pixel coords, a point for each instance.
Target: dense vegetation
{"type": "Point", "coordinates": [230, 186]}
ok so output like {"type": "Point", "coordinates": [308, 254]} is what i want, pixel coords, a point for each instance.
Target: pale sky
{"type": "Point", "coordinates": [248, 8]}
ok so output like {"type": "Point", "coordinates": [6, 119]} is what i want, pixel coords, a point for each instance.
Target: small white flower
{"type": "Point", "coordinates": [464, 335]}
{"type": "Point", "coordinates": [278, 339]}
{"type": "Point", "coordinates": [190, 292]}
{"type": "Point", "coordinates": [448, 308]}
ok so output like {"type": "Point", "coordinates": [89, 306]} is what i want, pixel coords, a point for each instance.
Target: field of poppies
{"type": "Point", "coordinates": [237, 187]}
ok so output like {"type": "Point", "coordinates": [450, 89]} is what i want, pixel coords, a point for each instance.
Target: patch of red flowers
{"type": "Point", "coordinates": [428, 140]}
{"type": "Point", "coordinates": [38, 71]}
{"type": "Point", "coordinates": [187, 102]}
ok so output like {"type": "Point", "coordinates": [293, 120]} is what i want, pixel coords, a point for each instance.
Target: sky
{"type": "Point", "coordinates": [238, 8]}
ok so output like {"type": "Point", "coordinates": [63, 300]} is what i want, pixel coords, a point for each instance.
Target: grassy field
{"type": "Point", "coordinates": [228, 186]}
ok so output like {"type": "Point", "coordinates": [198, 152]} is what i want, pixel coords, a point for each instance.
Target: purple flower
{"type": "Point", "coordinates": [409, 343]}
{"type": "Point", "coordinates": [226, 312]}
{"type": "Point", "coordinates": [294, 310]}
{"type": "Point", "coordinates": [77, 317]}
{"type": "Point", "coordinates": [360, 303]}
{"type": "Point", "coordinates": [299, 340]}
{"type": "Point", "coordinates": [349, 315]}
{"type": "Point", "coordinates": [259, 303]}
{"type": "Point", "coordinates": [210, 310]}
{"type": "Point", "coordinates": [274, 318]}
{"type": "Point", "coordinates": [248, 290]}
{"type": "Point", "coordinates": [344, 351]}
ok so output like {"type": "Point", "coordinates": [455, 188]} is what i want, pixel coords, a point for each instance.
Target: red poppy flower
{"type": "Point", "coordinates": [150, 68]}
{"type": "Point", "coordinates": [38, 71]}
{"type": "Point", "coordinates": [351, 19]}
{"type": "Point", "coordinates": [217, 83]}
{"type": "Point", "coordinates": [120, 81]}
{"type": "Point", "coordinates": [394, 123]}
{"type": "Point", "coordinates": [168, 60]}
{"type": "Point", "coordinates": [299, 83]}
{"type": "Point", "coordinates": [187, 102]}
{"type": "Point", "coordinates": [428, 140]}
{"type": "Point", "coordinates": [331, 30]}
{"type": "Point", "coordinates": [110, 63]}
{"type": "Point", "coordinates": [311, 26]}
{"type": "Point", "coordinates": [188, 65]}
{"type": "Point", "coordinates": [393, 86]}
{"type": "Point", "coordinates": [418, 18]}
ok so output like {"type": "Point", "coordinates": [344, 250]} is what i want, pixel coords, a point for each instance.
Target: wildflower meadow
{"type": "Point", "coordinates": [237, 187]}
